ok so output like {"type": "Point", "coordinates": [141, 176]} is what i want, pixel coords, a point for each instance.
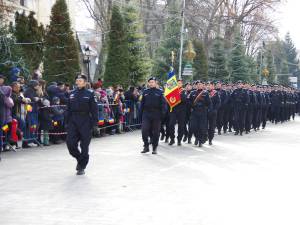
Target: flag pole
{"type": "Point", "coordinates": [181, 40]}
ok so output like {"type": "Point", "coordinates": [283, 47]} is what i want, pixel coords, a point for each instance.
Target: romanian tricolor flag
{"type": "Point", "coordinates": [111, 121]}
{"type": "Point", "coordinates": [172, 91]}
{"type": "Point", "coordinates": [101, 122]}
{"type": "Point", "coordinates": [5, 128]}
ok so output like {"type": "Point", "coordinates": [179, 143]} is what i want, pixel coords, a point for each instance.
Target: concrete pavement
{"type": "Point", "coordinates": [249, 180]}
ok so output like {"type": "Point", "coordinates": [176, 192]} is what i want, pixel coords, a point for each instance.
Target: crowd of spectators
{"type": "Point", "coordinates": [32, 112]}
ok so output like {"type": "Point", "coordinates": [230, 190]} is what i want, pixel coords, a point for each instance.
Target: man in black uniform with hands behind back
{"type": "Point", "coordinates": [82, 116]}
{"type": "Point", "coordinates": [152, 110]}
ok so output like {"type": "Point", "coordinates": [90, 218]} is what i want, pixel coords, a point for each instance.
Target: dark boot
{"type": "Point", "coordinates": [154, 151]}
{"type": "Point", "coordinates": [167, 140]}
{"type": "Point", "coordinates": [219, 132]}
{"type": "Point", "coordinates": [196, 142]}
{"type": "Point", "coordinates": [172, 142]}
{"type": "Point", "coordinates": [178, 142]}
{"type": "Point", "coordinates": [236, 133]}
{"type": "Point", "coordinates": [146, 149]}
{"type": "Point", "coordinates": [189, 141]}
{"type": "Point", "coordinates": [185, 139]}
{"type": "Point", "coordinates": [80, 172]}
{"type": "Point", "coordinates": [210, 142]}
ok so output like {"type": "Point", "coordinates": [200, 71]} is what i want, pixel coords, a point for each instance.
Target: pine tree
{"type": "Point", "coordinates": [291, 54]}
{"type": "Point", "coordinates": [217, 61]}
{"type": "Point", "coordinates": [170, 42]}
{"type": "Point", "coordinates": [61, 55]}
{"type": "Point", "coordinates": [237, 63]}
{"type": "Point", "coordinates": [284, 79]}
{"type": "Point", "coordinates": [117, 63]}
{"type": "Point", "coordinates": [11, 54]}
{"type": "Point", "coordinates": [252, 69]}
{"type": "Point", "coordinates": [200, 64]}
{"type": "Point", "coordinates": [139, 62]}
{"type": "Point", "coordinates": [27, 30]}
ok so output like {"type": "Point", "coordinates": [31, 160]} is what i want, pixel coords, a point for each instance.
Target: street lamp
{"type": "Point", "coordinates": [86, 60]}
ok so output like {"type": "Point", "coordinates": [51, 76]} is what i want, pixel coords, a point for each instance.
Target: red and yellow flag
{"type": "Point", "coordinates": [172, 91]}
{"type": "Point", "coordinates": [5, 128]}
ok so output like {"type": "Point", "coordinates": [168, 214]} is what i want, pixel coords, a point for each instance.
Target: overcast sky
{"type": "Point", "coordinates": [289, 20]}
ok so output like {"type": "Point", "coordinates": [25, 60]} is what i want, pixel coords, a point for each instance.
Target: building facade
{"type": "Point", "coordinates": [42, 9]}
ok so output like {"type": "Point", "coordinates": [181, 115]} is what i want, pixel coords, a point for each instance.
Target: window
{"type": "Point", "coordinates": [22, 2]}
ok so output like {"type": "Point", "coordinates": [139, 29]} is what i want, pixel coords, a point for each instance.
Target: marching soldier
{"type": "Point", "coordinates": [178, 115]}
{"type": "Point", "coordinates": [240, 101]}
{"type": "Point", "coordinates": [82, 116]}
{"type": "Point", "coordinates": [224, 97]}
{"type": "Point", "coordinates": [200, 101]}
{"type": "Point", "coordinates": [212, 110]}
{"type": "Point", "coordinates": [152, 110]}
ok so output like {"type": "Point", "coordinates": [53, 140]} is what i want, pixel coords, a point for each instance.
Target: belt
{"type": "Point", "coordinates": [80, 113]}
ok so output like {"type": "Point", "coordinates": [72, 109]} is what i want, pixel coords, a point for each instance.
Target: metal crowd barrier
{"type": "Point", "coordinates": [113, 118]}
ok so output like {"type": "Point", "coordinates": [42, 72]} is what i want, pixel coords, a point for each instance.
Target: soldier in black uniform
{"type": "Point", "coordinates": [212, 110]}
{"type": "Point", "coordinates": [224, 97]}
{"type": "Point", "coordinates": [240, 101]}
{"type": "Point", "coordinates": [81, 116]}
{"type": "Point", "coordinates": [251, 108]}
{"type": "Point", "coordinates": [200, 101]}
{"type": "Point", "coordinates": [178, 114]}
{"type": "Point", "coordinates": [276, 101]}
{"type": "Point", "coordinates": [187, 130]}
{"type": "Point", "coordinates": [152, 110]}
{"type": "Point", "coordinates": [265, 106]}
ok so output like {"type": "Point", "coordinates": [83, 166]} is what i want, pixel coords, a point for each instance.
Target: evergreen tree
{"type": "Point", "coordinates": [170, 42]}
{"type": "Point", "coordinates": [237, 63]}
{"type": "Point", "coordinates": [139, 62]}
{"type": "Point", "coordinates": [200, 64]}
{"type": "Point", "coordinates": [11, 54]}
{"type": "Point", "coordinates": [252, 69]}
{"type": "Point", "coordinates": [27, 30]}
{"type": "Point", "coordinates": [61, 55]}
{"type": "Point", "coordinates": [270, 67]}
{"type": "Point", "coordinates": [117, 63]}
{"type": "Point", "coordinates": [291, 54]}
{"type": "Point", "coordinates": [217, 61]}
{"type": "Point", "coordinates": [284, 79]}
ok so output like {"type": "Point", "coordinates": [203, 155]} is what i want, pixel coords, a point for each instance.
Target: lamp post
{"type": "Point", "coordinates": [86, 60]}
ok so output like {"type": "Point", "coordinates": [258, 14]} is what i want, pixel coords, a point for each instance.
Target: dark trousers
{"type": "Point", "coordinates": [177, 117]}
{"type": "Point", "coordinates": [198, 124]}
{"type": "Point", "coordinates": [239, 119]}
{"type": "Point", "coordinates": [212, 122]}
{"type": "Point", "coordinates": [79, 133]}
{"type": "Point", "coordinates": [150, 128]}
{"type": "Point", "coordinates": [249, 119]}
{"type": "Point", "coordinates": [220, 118]}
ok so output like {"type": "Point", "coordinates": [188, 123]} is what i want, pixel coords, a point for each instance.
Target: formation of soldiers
{"type": "Point", "coordinates": [207, 107]}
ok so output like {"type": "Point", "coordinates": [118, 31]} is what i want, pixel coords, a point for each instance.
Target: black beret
{"type": "Point", "coordinates": [81, 76]}
{"type": "Point", "coordinates": [152, 78]}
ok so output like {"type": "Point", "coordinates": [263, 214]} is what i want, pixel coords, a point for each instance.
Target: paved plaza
{"type": "Point", "coordinates": [249, 180]}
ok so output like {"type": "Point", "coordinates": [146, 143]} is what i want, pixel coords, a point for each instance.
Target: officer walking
{"type": "Point", "coordinates": [152, 110]}
{"type": "Point", "coordinates": [82, 116]}
{"type": "Point", "coordinates": [240, 101]}
{"type": "Point", "coordinates": [200, 101]}
{"type": "Point", "coordinates": [178, 115]}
